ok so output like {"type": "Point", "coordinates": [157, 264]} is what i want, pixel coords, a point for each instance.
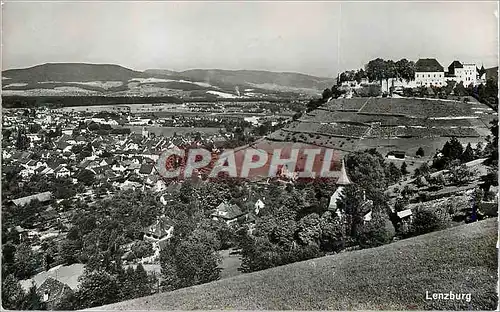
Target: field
{"type": "Point", "coordinates": [347, 104]}
{"type": "Point", "coordinates": [321, 115]}
{"type": "Point", "coordinates": [169, 131]}
{"type": "Point", "coordinates": [389, 124]}
{"type": "Point", "coordinates": [397, 276]}
{"type": "Point", "coordinates": [422, 132]}
{"type": "Point", "coordinates": [417, 107]}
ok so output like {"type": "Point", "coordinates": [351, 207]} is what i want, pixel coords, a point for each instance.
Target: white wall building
{"type": "Point", "coordinates": [465, 73]}
{"type": "Point", "coordinates": [429, 72]}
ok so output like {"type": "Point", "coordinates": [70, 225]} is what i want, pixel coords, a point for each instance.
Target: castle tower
{"type": "Point", "coordinates": [343, 179]}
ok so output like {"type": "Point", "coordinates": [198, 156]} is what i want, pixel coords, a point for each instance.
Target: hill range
{"type": "Point", "coordinates": [396, 276]}
{"type": "Point", "coordinates": [114, 80]}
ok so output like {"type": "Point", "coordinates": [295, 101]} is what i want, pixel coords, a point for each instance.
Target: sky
{"type": "Point", "coordinates": [318, 38]}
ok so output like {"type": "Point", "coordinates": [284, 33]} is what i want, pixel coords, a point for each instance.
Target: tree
{"type": "Point", "coordinates": [32, 301]}
{"type": "Point", "coordinates": [96, 288]}
{"type": "Point", "coordinates": [378, 231]}
{"type": "Point", "coordinates": [26, 262]}
{"type": "Point", "coordinates": [351, 204]}
{"type": "Point", "coordinates": [189, 262]}
{"type": "Point", "coordinates": [460, 175]}
{"type": "Point", "coordinates": [478, 151]}
{"type": "Point", "coordinates": [332, 232]}
{"type": "Point", "coordinates": [420, 152]}
{"type": "Point", "coordinates": [491, 149]}
{"type": "Point", "coordinates": [22, 141]}
{"type": "Point", "coordinates": [404, 170]}
{"type": "Point", "coordinates": [468, 154]}
{"type": "Point", "coordinates": [376, 70]}
{"type": "Point", "coordinates": [195, 263]}
{"type": "Point", "coordinates": [327, 93]}
{"type": "Point", "coordinates": [309, 229]}
{"type": "Point", "coordinates": [426, 220]}
{"type": "Point", "coordinates": [422, 170]}
{"type": "Point", "coordinates": [359, 75]}
{"type": "Point", "coordinates": [367, 170]}
{"type": "Point", "coordinates": [400, 204]}
{"type": "Point", "coordinates": [390, 70]}
{"type": "Point", "coordinates": [459, 89]}
{"type": "Point", "coordinates": [405, 70]}
{"type": "Point", "coordinates": [12, 293]}
{"type": "Point", "coordinates": [452, 149]}
{"type": "Point", "coordinates": [86, 177]}
{"type": "Point", "coordinates": [393, 173]}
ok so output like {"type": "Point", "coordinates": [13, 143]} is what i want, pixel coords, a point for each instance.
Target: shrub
{"type": "Point", "coordinates": [422, 170]}
{"type": "Point", "coordinates": [142, 249]}
{"type": "Point", "coordinates": [426, 220]}
{"type": "Point", "coordinates": [371, 90]}
{"type": "Point", "coordinates": [333, 233]}
{"type": "Point", "coordinates": [400, 204]}
{"type": "Point", "coordinates": [378, 231]}
{"type": "Point", "coordinates": [461, 175]}
{"type": "Point", "coordinates": [420, 152]}
{"type": "Point", "coordinates": [404, 170]}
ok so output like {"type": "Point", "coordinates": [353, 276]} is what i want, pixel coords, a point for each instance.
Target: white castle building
{"type": "Point", "coordinates": [428, 72]}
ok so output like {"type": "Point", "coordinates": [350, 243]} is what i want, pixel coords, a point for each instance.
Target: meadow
{"type": "Point", "coordinates": [396, 276]}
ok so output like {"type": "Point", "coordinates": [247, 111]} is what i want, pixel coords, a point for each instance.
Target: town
{"type": "Point", "coordinates": [82, 190]}
{"type": "Point", "coordinates": [249, 155]}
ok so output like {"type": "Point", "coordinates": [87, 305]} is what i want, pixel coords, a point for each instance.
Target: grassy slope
{"type": "Point", "coordinates": [392, 277]}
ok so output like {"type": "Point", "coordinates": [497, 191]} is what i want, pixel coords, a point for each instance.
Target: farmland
{"type": "Point", "coordinates": [169, 131]}
{"type": "Point", "coordinates": [416, 108]}
{"type": "Point", "coordinates": [389, 124]}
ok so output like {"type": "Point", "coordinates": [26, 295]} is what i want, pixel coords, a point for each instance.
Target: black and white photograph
{"type": "Point", "coordinates": [249, 155]}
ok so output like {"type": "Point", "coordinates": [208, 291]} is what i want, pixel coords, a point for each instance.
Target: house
{"type": "Point", "coordinates": [163, 228]}
{"type": "Point", "coordinates": [428, 72]}
{"type": "Point", "coordinates": [396, 154]}
{"type": "Point", "coordinates": [67, 275]}
{"type": "Point", "coordinates": [159, 186]}
{"type": "Point", "coordinates": [118, 167]}
{"type": "Point", "coordinates": [405, 215]}
{"type": "Point", "coordinates": [62, 171]}
{"type": "Point", "coordinates": [367, 217]}
{"type": "Point", "coordinates": [465, 73]}
{"type": "Point", "coordinates": [227, 212]}
{"type": "Point", "coordinates": [259, 204]}
{"type": "Point", "coordinates": [41, 197]}
{"type": "Point", "coordinates": [52, 292]}
{"type": "Point", "coordinates": [146, 169]}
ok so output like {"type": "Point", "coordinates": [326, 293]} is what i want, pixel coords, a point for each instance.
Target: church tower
{"type": "Point", "coordinates": [343, 178]}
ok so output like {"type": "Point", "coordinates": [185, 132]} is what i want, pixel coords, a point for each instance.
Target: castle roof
{"type": "Point", "coordinates": [428, 65]}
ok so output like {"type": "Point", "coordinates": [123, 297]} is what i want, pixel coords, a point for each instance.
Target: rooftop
{"type": "Point", "coordinates": [428, 65]}
{"type": "Point", "coordinates": [23, 201]}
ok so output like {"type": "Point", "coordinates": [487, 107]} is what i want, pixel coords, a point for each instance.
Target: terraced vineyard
{"type": "Point", "coordinates": [389, 124]}
{"type": "Point", "coordinates": [347, 104]}
{"type": "Point", "coordinates": [421, 132]}
{"type": "Point", "coordinates": [417, 108]}
{"type": "Point", "coordinates": [320, 115]}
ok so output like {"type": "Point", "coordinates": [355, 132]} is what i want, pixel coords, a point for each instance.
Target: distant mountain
{"type": "Point", "coordinates": [78, 79]}
{"type": "Point", "coordinates": [69, 72]}
{"type": "Point", "coordinates": [253, 78]}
